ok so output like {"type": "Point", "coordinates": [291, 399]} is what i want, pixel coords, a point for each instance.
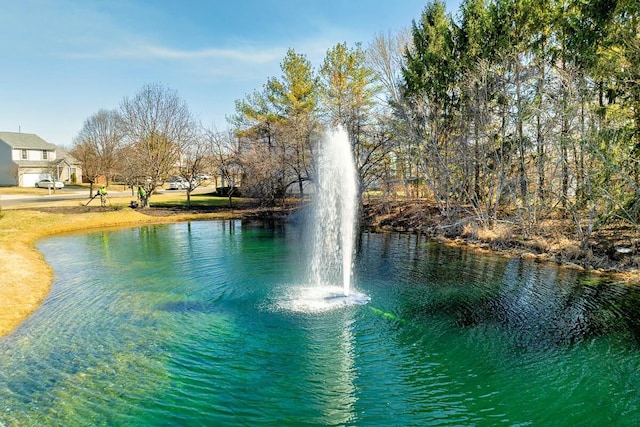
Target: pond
{"type": "Point", "coordinates": [190, 324]}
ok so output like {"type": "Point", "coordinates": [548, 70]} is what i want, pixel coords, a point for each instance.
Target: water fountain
{"type": "Point", "coordinates": [334, 225]}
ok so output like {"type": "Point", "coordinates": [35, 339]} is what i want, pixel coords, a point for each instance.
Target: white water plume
{"type": "Point", "coordinates": [334, 213]}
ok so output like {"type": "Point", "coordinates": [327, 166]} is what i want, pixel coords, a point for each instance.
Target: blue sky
{"type": "Point", "coordinates": [63, 60]}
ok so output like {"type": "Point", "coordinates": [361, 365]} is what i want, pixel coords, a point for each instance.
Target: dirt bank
{"type": "Point", "coordinates": [614, 249]}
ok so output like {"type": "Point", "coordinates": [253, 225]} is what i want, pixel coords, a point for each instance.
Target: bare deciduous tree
{"type": "Point", "coordinates": [225, 154]}
{"type": "Point", "coordinates": [97, 146]}
{"type": "Point", "coordinates": [193, 162]}
{"type": "Point", "coordinates": [159, 126]}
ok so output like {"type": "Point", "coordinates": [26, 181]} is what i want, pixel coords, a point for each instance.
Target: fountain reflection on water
{"type": "Point", "coordinates": [334, 222]}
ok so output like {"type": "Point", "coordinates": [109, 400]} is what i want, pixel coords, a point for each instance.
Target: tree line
{"type": "Point", "coordinates": [513, 109]}
{"type": "Point", "coordinates": [149, 139]}
{"type": "Point", "coordinates": [526, 109]}
{"type": "Point", "coordinates": [517, 109]}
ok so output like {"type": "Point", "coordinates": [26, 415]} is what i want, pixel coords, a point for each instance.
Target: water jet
{"type": "Point", "coordinates": [332, 231]}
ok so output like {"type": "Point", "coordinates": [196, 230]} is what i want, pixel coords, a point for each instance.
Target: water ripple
{"type": "Point", "coordinates": [181, 325]}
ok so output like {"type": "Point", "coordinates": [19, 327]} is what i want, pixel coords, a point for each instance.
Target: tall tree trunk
{"type": "Point", "coordinates": [522, 171]}
{"type": "Point", "coordinates": [540, 141]}
{"type": "Point", "coordinates": [564, 160]}
{"type": "Point", "coordinates": [476, 145]}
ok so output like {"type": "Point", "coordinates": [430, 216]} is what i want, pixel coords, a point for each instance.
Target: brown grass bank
{"type": "Point", "coordinates": [554, 240]}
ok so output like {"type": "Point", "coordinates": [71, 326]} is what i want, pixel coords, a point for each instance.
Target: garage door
{"type": "Point", "coordinates": [30, 179]}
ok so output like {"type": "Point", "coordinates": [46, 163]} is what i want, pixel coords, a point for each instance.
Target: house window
{"type": "Point", "coordinates": [24, 155]}
{"type": "Point", "coordinates": [44, 154]}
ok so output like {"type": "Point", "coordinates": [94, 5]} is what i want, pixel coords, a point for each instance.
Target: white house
{"type": "Point", "coordinates": [26, 158]}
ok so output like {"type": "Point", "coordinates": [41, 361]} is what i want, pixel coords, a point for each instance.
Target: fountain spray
{"type": "Point", "coordinates": [334, 213]}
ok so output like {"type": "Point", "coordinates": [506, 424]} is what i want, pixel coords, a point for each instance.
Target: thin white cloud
{"type": "Point", "coordinates": [85, 55]}
{"type": "Point", "coordinates": [152, 52]}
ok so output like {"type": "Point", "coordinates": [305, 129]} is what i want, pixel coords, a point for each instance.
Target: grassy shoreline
{"type": "Point", "coordinates": [27, 278]}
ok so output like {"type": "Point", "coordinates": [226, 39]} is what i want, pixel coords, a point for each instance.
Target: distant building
{"type": "Point", "coordinates": [25, 158]}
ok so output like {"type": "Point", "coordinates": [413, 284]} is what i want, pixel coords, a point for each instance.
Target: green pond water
{"type": "Point", "coordinates": [195, 324]}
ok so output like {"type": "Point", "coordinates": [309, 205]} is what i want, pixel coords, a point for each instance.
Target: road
{"type": "Point", "coordinates": [8, 200]}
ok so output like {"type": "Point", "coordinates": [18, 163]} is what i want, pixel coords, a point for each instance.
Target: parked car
{"type": "Point", "coordinates": [178, 183]}
{"type": "Point", "coordinates": [203, 177]}
{"type": "Point", "coordinates": [48, 183]}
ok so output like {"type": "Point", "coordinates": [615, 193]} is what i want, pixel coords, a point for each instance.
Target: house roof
{"type": "Point", "coordinates": [32, 163]}
{"type": "Point", "coordinates": [25, 141]}
{"type": "Point", "coordinates": [62, 155]}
